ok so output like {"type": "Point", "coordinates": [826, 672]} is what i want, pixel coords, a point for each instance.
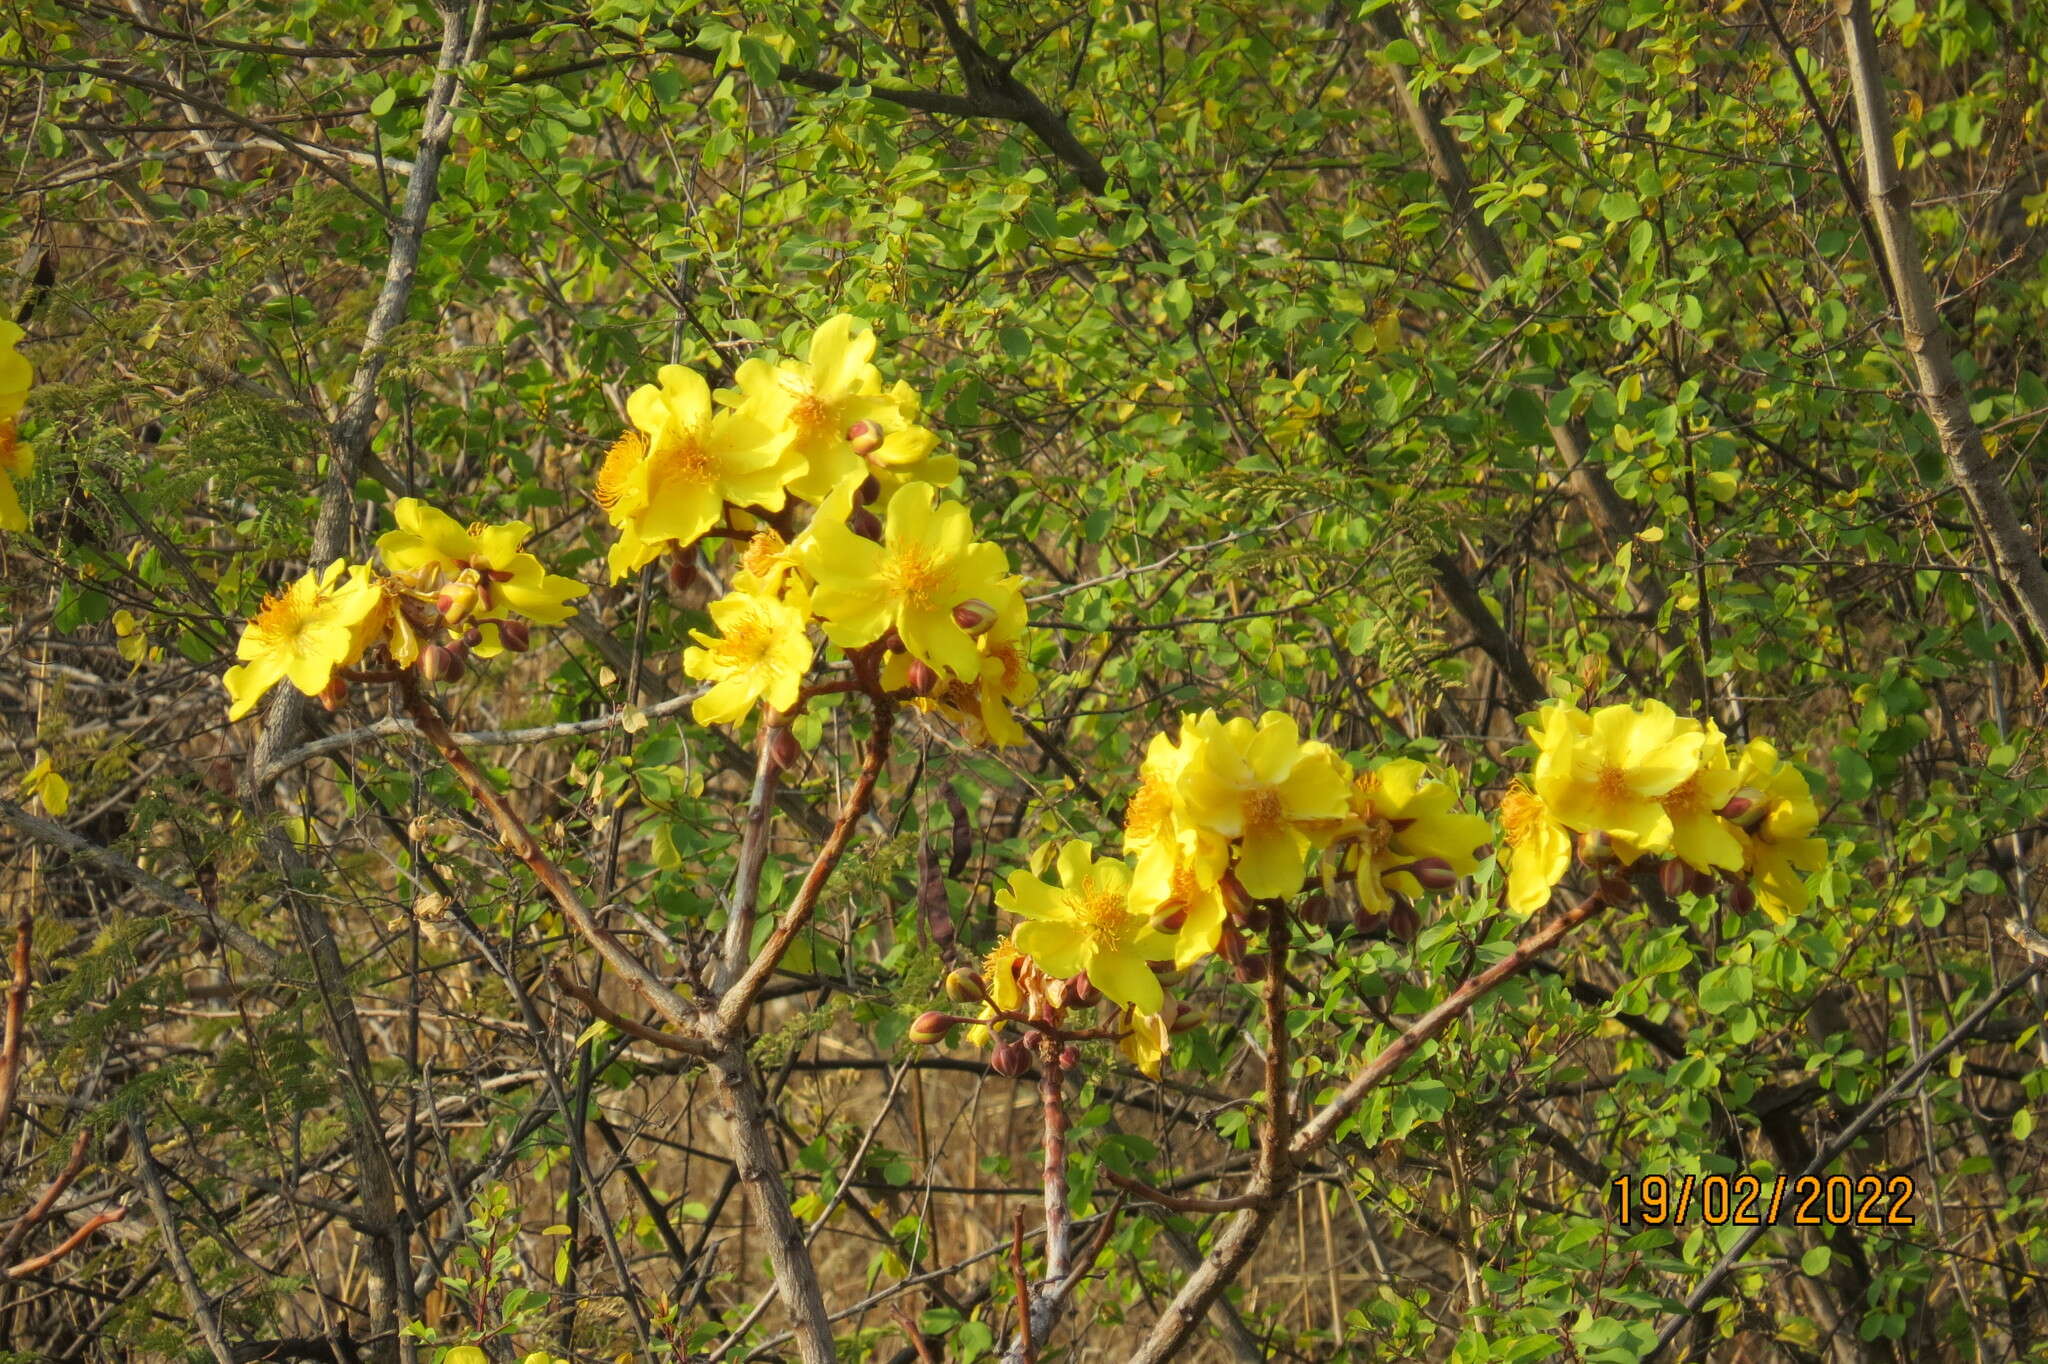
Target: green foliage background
{"type": "Point", "coordinates": [1235, 396]}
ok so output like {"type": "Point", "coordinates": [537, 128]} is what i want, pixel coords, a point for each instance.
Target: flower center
{"type": "Point", "coordinates": [763, 557]}
{"type": "Point", "coordinates": [1263, 810]}
{"type": "Point", "coordinates": [1684, 799]}
{"type": "Point", "coordinates": [682, 458]}
{"type": "Point", "coordinates": [811, 413]}
{"type": "Point", "coordinates": [281, 620]}
{"type": "Point", "coordinates": [1102, 917]}
{"type": "Point", "coordinates": [8, 446]}
{"type": "Point", "coordinates": [1613, 785]}
{"type": "Point", "coordinates": [915, 577]}
{"type": "Point", "coordinates": [1146, 814]}
{"type": "Point", "coordinates": [749, 640]}
{"type": "Point", "coordinates": [1522, 814]}
{"type": "Point", "coordinates": [619, 461]}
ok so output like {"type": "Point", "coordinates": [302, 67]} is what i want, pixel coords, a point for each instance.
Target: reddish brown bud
{"type": "Point", "coordinates": [1404, 923]}
{"type": "Point", "coordinates": [1230, 944]}
{"type": "Point", "coordinates": [930, 1028]}
{"type": "Point", "coordinates": [1187, 1019]}
{"type": "Point", "coordinates": [920, 678]}
{"type": "Point", "coordinates": [1741, 898]}
{"type": "Point", "coordinates": [1315, 909]}
{"type": "Point", "coordinates": [974, 615]}
{"type": "Point", "coordinates": [1674, 877]}
{"type": "Point", "coordinates": [1370, 922]}
{"type": "Point", "coordinates": [1250, 968]}
{"type": "Point", "coordinates": [682, 571]}
{"type": "Point", "coordinates": [335, 696]}
{"type": "Point", "coordinates": [1701, 882]}
{"type": "Point", "coordinates": [515, 635]}
{"type": "Point", "coordinates": [865, 437]}
{"type": "Point", "coordinates": [1081, 990]}
{"type": "Point", "coordinates": [1010, 1060]}
{"type": "Point", "coordinates": [963, 985]}
{"type": "Point", "coordinates": [865, 523]}
{"type": "Point", "coordinates": [1746, 808]}
{"type": "Point", "coordinates": [1255, 918]}
{"type": "Point", "coordinates": [1435, 873]}
{"type": "Point", "coordinates": [441, 664]}
{"type": "Point", "coordinates": [1070, 1057]}
{"type": "Point", "coordinates": [783, 749]}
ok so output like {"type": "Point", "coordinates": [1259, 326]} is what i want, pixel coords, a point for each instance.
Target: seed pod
{"type": "Point", "coordinates": [865, 437]}
{"type": "Point", "coordinates": [930, 1028]}
{"type": "Point", "coordinates": [1010, 1060]}
{"type": "Point", "coordinates": [515, 635]}
{"type": "Point", "coordinates": [1673, 877]}
{"type": "Point", "coordinates": [963, 985]}
{"type": "Point", "coordinates": [974, 615]}
{"type": "Point", "coordinates": [1435, 873]}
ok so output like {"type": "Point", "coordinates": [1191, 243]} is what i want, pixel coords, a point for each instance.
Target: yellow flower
{"type": "Point", "coordinates": [432, 547]}
{"type": "Point", "coordinates": [1146, 1041]}
{"type": "Point", "coordinates": [1780, 846]}
{"type": "Point", "coordinates": [669, 481]}
{"type": "Point", "coordinates": [1699, 836]}
{"type": "Point", "coordinates": [1608, 771]}
{"type": "Point", "coordinates": [17, 461]}
{"type": "Point", "coordinates": [981, 706]}
{"type": "Point", "coordinates": [1401, 815]}
{"type": "Point", "coordinates": [1539, 850]}
{"type": "Point", "coordinates": [305, 635]}
{"type": "Point", "coordinates": [1174, 892]}
{"type": "Point", "coordinates": [1273, 795]}
{"type": "Point", "coordinates": [762, 652]}
{"type": "Point", "coordinates": [42, 782]}
{"type": "Point", "coordinates": [815, 402]}
{"type": "Point", "coordinates": [927, 564]}
{"type": "Point", "coordinates": [765, 564]}
{"type": "Point", "coordinates": [1086, 923]}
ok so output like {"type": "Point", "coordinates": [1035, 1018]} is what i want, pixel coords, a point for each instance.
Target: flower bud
{"type": "Point", "coordinates": [1741, 898]}
{"type": "Point", "coordinates": [1435, 873]}
{"type": "Point", "coordinates": [1370, 922]}
{"type": "Point", "coordinates": [1701, 882]}
{"type": "Point", "coordinates": [1404, 923]}
{"type": "Point", "coordinates": [470, 639]}
{"type": "Point", "coordinates": [783, 749]}
{"type": "Point", "coordinates": [1257, 918]}
{"type": "Point", "coordinates": [1250, 969]}
{"type": "Point", "coordinates": [865, 437]}
{"type": "Point", "coordinates": [864, 523]}
{"type": "Point", "coordinates": [456, 601]}
{"type": "Point", "coordinates": [1236, 900]}
{"type": "Point", "coordinates": [921, 678]}
{"type": "Point", "coordinates": [930, 1028]}
{"type": "Point", "coordinates": [1315, 909]}
{"type": "Point", "coordinates": [1230, 944]}
{"type": "Point", "coordinates": [1010, 1060]}
{"type": "Point", "coordinates": [441, 664]}
{"type": "Point", "coordinates": [1081, 990]}
{"type": "Point", "coordinates": [974, 615]}
{"type": "Point", "coordinates": [1746, 808]}
{"type": "Point", "coordinates": [1674, 877]}
{"type": "Point", "coordinates": [515, 635]}
{"type": "Point", "coordinates": [335, 695]}
{"type": "Point", "coordinates": [963, 985]}
{"type": "Point", "coordinates": [1188, 1019]}
{"type": "Point", "coordinates": [869, 492]}
{"type": "Point", "coordinates": [682, 572]}
{"type": "Point", "coordinates": [1070, 1057]}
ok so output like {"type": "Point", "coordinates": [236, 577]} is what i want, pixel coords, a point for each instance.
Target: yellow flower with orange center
{"type": "Point", "coordinates": [1539, 849]}
{"type": "Point", "coordinates": [1780, 846]}
{"type": "Point", "coordinates": [1609, 772]}
{"type": "Point", "coordinates": [1087, 923]}
{"type": "Point", "coordinates": [305, 635]}
{"type": "Point", "coordinates": [761, 653]}
{"type": "Point", "coordinates": [1402, 816]}
{"type": "Point", "coordinates": [1273, 796]}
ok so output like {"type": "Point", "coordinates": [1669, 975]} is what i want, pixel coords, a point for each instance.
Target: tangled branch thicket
{"type": "Point", "coordinates": [1071, 682]}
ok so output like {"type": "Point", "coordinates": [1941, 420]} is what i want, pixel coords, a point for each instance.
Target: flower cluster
{"type": "Point", "coordinates": [1623, 783]}
{"type": "Point", "coordinates": [444, 592]}
{"type": "Point", "coordinates": [885, 569]}
{"type": "Point", "coordinates": [17, 460]}
{"type": "Point", "coordinates": [1221, 831]}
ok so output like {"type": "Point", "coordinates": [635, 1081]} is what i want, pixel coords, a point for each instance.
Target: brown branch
{"type": "Point", "coordinates": [149, 1176]}
{"type": "Point", "coordinates": [67, 1245]}
{"type": "Point", "coordinates": [734, 1003]}
{"type": "Point", "coordinates": [1138, 1188]}
{"type": "Point", "coordinates": [51, 1193]}
{"type": "Point", "coordinates": [17, 1010]}
{"type": "Point", "coordinates": [689, 1046]}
